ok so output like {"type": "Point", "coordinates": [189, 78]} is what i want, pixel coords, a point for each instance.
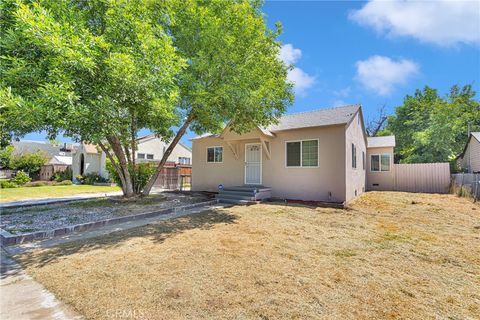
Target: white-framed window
{"type": "Point", "coordinates": [215, 154]}
{"type": "Point", "coordinates": [380, 162]}
{"type": "Point", "coordinates": [354, 156]}
{"type": "Point", "coordinates": [140, 155]}
{"type": "Point", "coordinates": [303, 153]}
{"type": "Point", "coordinates": [183, 160]}
{"type": "Point", "coordinates": [149, 156]}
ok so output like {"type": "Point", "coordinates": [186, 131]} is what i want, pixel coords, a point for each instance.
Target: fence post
{"type": "Point", "coordinates": [476, 180]}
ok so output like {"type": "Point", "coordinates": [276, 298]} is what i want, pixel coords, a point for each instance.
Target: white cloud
{"type": "Point", "coordinates": [382, 74]}
{"type": "Point", "coordinates": [339, 103]}
{"type": "Point", "coordinates": [442, 22]}
{"type": "Point", "coordinates": [289, 54]}
{"type": "Point", "coordinates": [345, 92]}
{"type": "Point", "coordinates": [301, 80]}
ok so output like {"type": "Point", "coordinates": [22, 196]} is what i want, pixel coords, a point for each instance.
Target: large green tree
{"type": "Point", "coordinates": [101, 70]}
{"type": "Point", "coordinates": [96, 70]}
{"type": "Point", "coordinates": [233, 72]}
{"type": "Point", "coordinates": [432, 128]}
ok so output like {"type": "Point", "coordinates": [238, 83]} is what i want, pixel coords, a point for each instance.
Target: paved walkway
{"type": "Point", "coordinates": [25, 299]}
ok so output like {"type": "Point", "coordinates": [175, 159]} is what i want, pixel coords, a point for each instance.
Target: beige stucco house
{"type": "Point", "coordinates": [90, 159]}
{"type": "Point", "coordinates": [469, 159]}
{"type": "Point", "coordinates": [318, 155]}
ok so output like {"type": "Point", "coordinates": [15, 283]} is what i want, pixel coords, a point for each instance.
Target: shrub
{"type": "Point", "coordinates": [140, 176]}
{"type": "Point", "coordinates": [67, 174]}
{"type": "Point", "coordinates": [7, 184]}
{"type": "Point", "coordinates": [91, 178]}
{"type": "Point", "coordinates": [21, 178]}
{"type": "Point", "coordinates": [30, 163]}
{"type": "Point", "coordinates": [36, 184]}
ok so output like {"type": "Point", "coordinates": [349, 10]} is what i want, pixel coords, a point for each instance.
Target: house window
{"type": "Point", "coordinates": [380, 162]}
{"type": "Point", "coordinates": [215, 154]}
{"type": "Point", "coordinates": [302, 153]}
{"type": "Point", "coordinates": [150, 156]}
{"type": "Point", "coordinates": [363, 160]}
{"type": "Point", "coordinates": [183, 160]}
{"type": "Point", "coordinates": [141, 155]}
{"type": "Point", "coordinates": [354, 156]}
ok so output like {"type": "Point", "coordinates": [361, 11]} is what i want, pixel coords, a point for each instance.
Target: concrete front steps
{"type": "Point", "coordinates": [246, 194]}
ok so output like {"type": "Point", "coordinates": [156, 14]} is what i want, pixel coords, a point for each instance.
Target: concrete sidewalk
{"type": "Point", "coordinates": [22, 298]}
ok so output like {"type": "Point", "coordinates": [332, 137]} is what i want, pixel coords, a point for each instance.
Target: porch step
{"type": "Point", "coordinates": [243, 194]}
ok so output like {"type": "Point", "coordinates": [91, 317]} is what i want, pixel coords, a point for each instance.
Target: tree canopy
{"type": "Point", "coordinates": [432, 128]}
{"type": "Point", "coordinates": [101, 70]}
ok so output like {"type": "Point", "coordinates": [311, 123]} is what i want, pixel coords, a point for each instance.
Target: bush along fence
{"type": "Point", "coordinates": [466, 185]}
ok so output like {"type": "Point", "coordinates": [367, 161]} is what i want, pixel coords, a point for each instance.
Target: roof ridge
{"type": "Point", "coordinates": [322, 109]}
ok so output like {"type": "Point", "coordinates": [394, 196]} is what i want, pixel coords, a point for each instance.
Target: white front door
{"type": "Point", "coordinates": [253, 163]}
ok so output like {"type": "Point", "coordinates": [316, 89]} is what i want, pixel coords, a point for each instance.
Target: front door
{"type": "Point", "coordinates": [253, 163]}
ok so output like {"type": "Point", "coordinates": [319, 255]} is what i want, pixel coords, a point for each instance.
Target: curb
{"type": "Point", "coordinates": [7, 239]}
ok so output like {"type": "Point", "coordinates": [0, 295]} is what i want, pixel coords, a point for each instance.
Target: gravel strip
{"type": "Point", "coordinates": [49, 217]}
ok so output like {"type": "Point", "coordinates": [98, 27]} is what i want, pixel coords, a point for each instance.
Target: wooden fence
{"type": "Point", "coordinates": [422, 177]}
{"type": "Point", "coordinates": [177, 177]}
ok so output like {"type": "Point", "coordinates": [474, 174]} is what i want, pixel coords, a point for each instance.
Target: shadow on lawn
{"type": "Point", "coordinates": [156, 232]}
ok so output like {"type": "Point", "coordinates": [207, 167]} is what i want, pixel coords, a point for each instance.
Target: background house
{"type": "Point", "coordinates": [89, 158]}
{"type": "Point", "coordinates": [469, 159]}
{"type": "Point", "coordinates": [59, 155]}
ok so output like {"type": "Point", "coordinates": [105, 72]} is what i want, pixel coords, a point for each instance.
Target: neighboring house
{"type": "Point", "coordinates": [90, 159]}
{"type": "Point", "coordinates": [381, 174]}
{"type": "Point", "coordinates": [59, 156]}
{"type": "Point", "coordinates": [318, 155]}
{"type": "Point", "coordinates": [469, 159]}
{"type": "Point", "coordinates": [152, 148]}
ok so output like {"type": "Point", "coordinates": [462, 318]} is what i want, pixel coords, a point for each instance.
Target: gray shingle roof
{"type": "Point", "coordinates": [308, 119]}
{"type": "Point", "coordinates": [28, 146]}
{"type": "Point", "coordinates": [316, 118]}
{"type": "Point", "coordinates": [378, 142]}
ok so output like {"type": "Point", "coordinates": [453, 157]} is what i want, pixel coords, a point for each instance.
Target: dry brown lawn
{"type": "Point", "coordinates": [391, 255]}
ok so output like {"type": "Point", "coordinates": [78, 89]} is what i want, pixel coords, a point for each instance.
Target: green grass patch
{"type": "Point", "coordinates": [16, 194]}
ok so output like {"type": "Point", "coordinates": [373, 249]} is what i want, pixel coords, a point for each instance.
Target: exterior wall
{"type": "Point", "coordinates": [157, 147]}
{"type": "Point", "coordinates": [325, 182]}
{"type": "Point", "coordinates": [384, 179]}
{"type": "Point", "coordinates": [355, 177]}
{"type": "Point", "coordinates": [471, 157]}
{"type": "Point", "coordinates": [94, 163]}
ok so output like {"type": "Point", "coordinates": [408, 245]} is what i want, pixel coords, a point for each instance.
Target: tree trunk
{"type": "Point", "coordinates": [178, 136]}
{"type": "Point", "coordinates": [118, 150]}
{"type": "Point", "coordinates": [115, 165]}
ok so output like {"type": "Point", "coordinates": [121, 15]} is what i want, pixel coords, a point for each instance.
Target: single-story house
{"type": "Point", "coordinates": [469, 159]}
{"type": "Point", "coordinates": [318, 155]}
{"type": "Point", "coordinates": [89, 158]}
{"type": "Point", "coordinates": [59, 155]}
{"type": "Point", "coordinates": [381, 175]}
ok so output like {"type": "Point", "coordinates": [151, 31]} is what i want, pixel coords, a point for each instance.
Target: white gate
{"type": "Point", "coordinates": [253, 163]}
{"type": "Point", "coordinates": [422, 177]}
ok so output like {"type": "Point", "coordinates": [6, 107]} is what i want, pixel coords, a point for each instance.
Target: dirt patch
{"type": "Point", "coordinates": [392, 255]}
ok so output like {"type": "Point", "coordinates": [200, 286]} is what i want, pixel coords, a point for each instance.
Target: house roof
{"type": "Point", "coordinates": [51, 150]}
{"type": "Point", "coordinates": [476, 135]}
{"type": "Point", "coordinates": [308, 119]}
{"type": "Point", "coordinates": [151, 136]}
{"type": "Point", "coordinates": [379, 142]}
{"type": "Point", "coordinates": [61, 160]}
{"type": "Point", "coordinates": [316, 118]}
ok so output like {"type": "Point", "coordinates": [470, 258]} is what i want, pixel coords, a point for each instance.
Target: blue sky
{"type": "Point", "coordinates": [373, 53]}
